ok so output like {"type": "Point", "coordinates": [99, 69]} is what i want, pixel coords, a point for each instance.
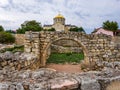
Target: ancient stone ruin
{"type": "Point", "coordinates": [96, 48]}
{"type": "Point", "coordinates": [22, 70]}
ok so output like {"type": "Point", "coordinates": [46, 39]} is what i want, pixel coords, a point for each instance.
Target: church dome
{"type": "Point", "coordinates": [59, 16]}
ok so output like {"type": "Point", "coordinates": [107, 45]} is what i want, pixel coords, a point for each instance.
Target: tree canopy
{"type": "Point", "coordinates": [1, 28]}
{"type": "Point", "coordinates": [29, 26]}
{"type": "Point", "coordinates": [113, 25]}
{"type": "Point", "coordinates": [77, 29]}
{"type": "Point", "coordinates": [10, 31]}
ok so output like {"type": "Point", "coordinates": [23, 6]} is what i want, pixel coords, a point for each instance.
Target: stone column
{"type": "Point", "coordinates": [28, 46]}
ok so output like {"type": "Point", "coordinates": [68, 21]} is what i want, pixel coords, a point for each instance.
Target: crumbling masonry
{"type": "Point", "coordinates": [95, 47]}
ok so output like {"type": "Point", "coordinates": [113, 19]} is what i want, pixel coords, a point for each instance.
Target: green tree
{"type": "Point", "coordinates": [77, 29]}
{"type": "Point", "coordinates": [112, 26]}
{"type": "Point", "coordinates": [29, 26]}
{"type": "Point", "coordinates": [20, 31]}
{"type": "Point", "coordinates": [10, 31]}
{"type": "Point", "coordinates": [1, 28]}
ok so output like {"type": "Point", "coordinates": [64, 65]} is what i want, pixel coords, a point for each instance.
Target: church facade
{"type": "Point", "coordinates": [59, 24]}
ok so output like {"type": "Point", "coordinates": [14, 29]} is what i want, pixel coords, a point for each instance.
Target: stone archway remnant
{"type": "Point", "coordinates": [62, 38]}
{"type": "Point", "coordinates": [95, 47]}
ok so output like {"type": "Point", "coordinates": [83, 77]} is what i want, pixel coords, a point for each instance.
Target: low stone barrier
{"type": "Point", "coordinates": [18, 61]}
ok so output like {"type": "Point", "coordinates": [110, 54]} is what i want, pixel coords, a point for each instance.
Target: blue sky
{"type": "Point", "coordinates": [89, 14]}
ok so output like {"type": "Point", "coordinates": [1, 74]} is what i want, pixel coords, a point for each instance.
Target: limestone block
{"type": "Point", "coordinates": [116, 51]}
{"type": "Point", "coordinates": [26, 63]}
{"type": "Point", "coordinates": [42, 40]}
{"type": "Point", "coordinates": [12, 87]}
{"type": "Point", "coordinates": [37, 74]}
{"type": "Point", "coordinates": [11, 64]}
{"type": "Point", "coordinates": [4, 63]}
{"type": "Point", "coordinates": [93, 50]}
{"type": "Point", "coordinates": [27, 36]}
{"type": "Point", "coordinates": [43, 35]}
{"type": "Point", "coordinates": [19, 86]}
{"type": "Point", "coordinates": [27, 41]}
{"type": "Point", "coordinates": [35, 35]}
{"type": "Point", "coordinates": [36, 45]}
{"type": "Point", "coordinates": [90, 85]}
{"type": "Point", "coordinates": [13, 68]}
{"type": "Point", "coordinates": [93, 40]}
{"type": "Point", "coordinates": [4, 86]}
{"type": "Point", "coordinates": [47, 40]}
{"type": "Point", "coordinates": [35, 50]}
{"type": "Point", "coordinates": [20, 61]}
{"type": "Point", "coordinates": [100, 40]}
{"type": "Point", "coordinates": [28, 46]}
{"type": "Point", "coordinates": [65, 84]}
{"type": "Point", "coordinates": [15, 63]}
{"type": "Point", "coordinates": [109, 53]}
{"type": "Point", "coordinates": [36, 40]}
{"type": "Point", "coordinates": [28, 50]}
{"type": "Point", "coordinates": [25, 46]}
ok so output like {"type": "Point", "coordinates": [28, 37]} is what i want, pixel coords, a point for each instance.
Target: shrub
{"type": "Point", "coordinates": [77, 29]}
{"type": "Point", "coordinates": [6, 38]}
{"type": "Point", "coordinates": [51, 29]}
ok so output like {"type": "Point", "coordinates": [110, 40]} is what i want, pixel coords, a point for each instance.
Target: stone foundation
{"type": "Point", "coordinates": [48, 79]}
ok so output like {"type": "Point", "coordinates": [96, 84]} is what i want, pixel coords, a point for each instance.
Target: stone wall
{"type": "Point", "coordinates": [65, 46]}
{"type": "Point", "coordinates": [18, 61]}
{"type": "Point", "coordinates": [19, 39]}
{"type": "Point", "coordinates": [63, 49]}
{"type": "Point", "coordinates": [95, 47]}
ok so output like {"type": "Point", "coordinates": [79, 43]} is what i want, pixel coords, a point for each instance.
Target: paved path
{"type": "Point", "coordinates": [65, 67]}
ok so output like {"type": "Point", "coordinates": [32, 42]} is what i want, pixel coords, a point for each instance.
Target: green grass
{"type": "Point", "coordinates": [65, 58]}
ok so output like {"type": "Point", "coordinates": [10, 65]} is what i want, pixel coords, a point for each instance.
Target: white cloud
{"type": "Point", "coordinates": [86, 13]}
{"type": "Point", "coordinates": [4, 2]}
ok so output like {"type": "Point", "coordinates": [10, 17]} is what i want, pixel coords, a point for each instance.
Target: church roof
{"type": "Point", "coordinates": [70, 25]}
{"type": "Point", "coordinates": [47, 25]}
{"type": "Point", "coordinates": [59, 16]}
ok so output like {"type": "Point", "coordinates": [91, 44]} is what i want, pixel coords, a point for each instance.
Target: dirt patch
{"type": "Point", "coordinates": [69, 68]}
